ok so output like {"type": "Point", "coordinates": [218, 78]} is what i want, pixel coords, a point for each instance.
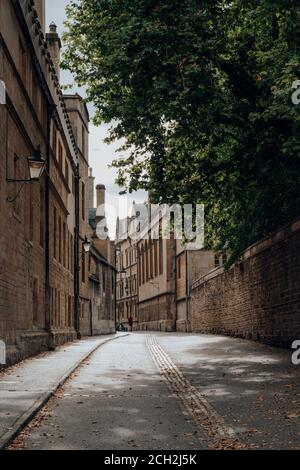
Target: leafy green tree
{"type": "Point", "coordinates": [200, 91]}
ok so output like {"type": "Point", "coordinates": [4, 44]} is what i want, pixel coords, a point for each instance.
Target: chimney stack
{"type": "Point", "coordinates": [100, 190]}
{"type": "Point", "coordinates": [54, 46]}
{"type": "Point", "coordinates": [91, 182]}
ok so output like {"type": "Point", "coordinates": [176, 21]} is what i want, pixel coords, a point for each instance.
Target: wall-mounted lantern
{"type": "Point", "coordinates": [36, 166]}
{"type": "Point", "coordinates": [87, 245]}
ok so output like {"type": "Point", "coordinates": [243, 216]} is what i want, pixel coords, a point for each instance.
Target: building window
{"type": "Point", "coordinates": [58, 309]}
{"type": "Point", "coordinates": [217, 261]}
{"type": "Point", "coordinates": [72, 261]}
{"type": "Point", "coordinates": [60, 156]}
{"type": "Point", "coordinates": [147, 261]}
{"type": "Point", "coordinates": [161, 256]}
{"type": "Point", "coordinates": [42, 216]}
{"type": "Point", "coordinates": [155, 259]}
{"type": "Point", "coordinates": [83, 200]}
{"type": "Point", "coordinates": [54, 233]}
{"type": "Point", "coordinates": [43, 112]}
{"type": "Point", "coordinates": [35, 93]}
{"type": "Point", "coordinates": [104, 279]}
{"type": "Point", "coordinates": [82, 265]}
{"type": "Point", "coordinates": [69, 252]}
{"type": "Point", "coordinates": [70, 311]}
{"type": "Point", "coordinates": [35, 301]}
{"type": "Point", "coordinates": [31, 213]}
{"type": "Point", "coordinates": [179, 267]}
{"type": "Point", "coordinates": [140, 268]}
{"type": "Point", "coordinates": [59, 239]}
{"type": "Point", "coordinates": [22, 63]}
{"type": "Point", "coordinates": [83, 139]}
{"type": "Point", "coordinates": [151, 258]}
{"type": "Point", "coordinates": [224, 258]}
{"type": "Point", "coordinates": [67, 172]}
{"type": "Point", "coordinates": [143, 265]}
{"type": "Point", "coordinates": [16, 176]}
{"type": "Point", "coordinates": [64, 245]}
{"type": "Point", "coordinates": [54, 140]}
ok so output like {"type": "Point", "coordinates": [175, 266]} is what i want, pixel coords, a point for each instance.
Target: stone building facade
{"type": "Point", "coordinates": [156, 278]}
{"type": "Point", "coordinates": [101, 266]}
{"type": "Point", "coordinates": [79, 118]}
{"type": "Point", "coordinates": [44, 297]}
{"type": "Point", "coordinates": [190, 265]}
{"type": "Point", "coordinates": [164, 268]}
{"type": "Point", "coordinates": [127, 283]}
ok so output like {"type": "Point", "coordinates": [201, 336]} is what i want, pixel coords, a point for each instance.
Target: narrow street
{"type": "Point", "coordinates": [173, 391]}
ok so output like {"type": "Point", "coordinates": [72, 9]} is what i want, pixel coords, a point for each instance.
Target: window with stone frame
{"type": "Point", "coordinates": [54, 233]}
{"type": "Point", "coordinates": [22, 63]}
{"type": "Point", "coordinates": [31, 212]}
{"type": "Point", "coordinates": [64, 245]}
{"type": "Point", "coordinates": [60, 155]}
{"type": "Point", "coordinates": [82, 264]}
{"type": "Point", "coordinates": [83, 201]}
{"type": "Point", "coordinates": [217, 260]}
{"type": "Point", "coordinates": [54, 140]}
{"type": "Point", "coordinates": [179, 267]}
{"type": "Point", "coordinates": [42, 216]}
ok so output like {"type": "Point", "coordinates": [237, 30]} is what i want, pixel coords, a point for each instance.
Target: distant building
{"type": "Point", "coordinates": [165, 271]}
{"type": "Point", "coordinates": [156, 278]}
{"type": "Point", "coordinates": [126, 262]}
{"type": "Point", "coordinates": [101, 267]}
{"type": "Point", "coordinates": [190, 265]}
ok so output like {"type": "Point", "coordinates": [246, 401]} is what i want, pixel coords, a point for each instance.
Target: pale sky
{"type": "Point", "coordinates": [101, 155]}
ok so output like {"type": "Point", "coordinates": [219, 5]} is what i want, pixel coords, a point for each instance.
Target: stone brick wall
{"type": "Point", "coordinates": [259, 298]}
{"type": "Point", "coordinates": [157, 314]}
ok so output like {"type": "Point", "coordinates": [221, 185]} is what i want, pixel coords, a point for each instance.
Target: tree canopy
{"type": "Point", "coordinates": [201, 92]}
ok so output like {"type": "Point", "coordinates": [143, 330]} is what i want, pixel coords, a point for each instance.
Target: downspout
{"type": "Point", "coordinates": [76, 258]}
{"type": "Point", "coordinates": [115, 289]}
{"type": "Point", "coordinates": [50, 109]}
{"type": "Point", "coordinates": [187, 276]}
{"type": "Point", "coordinates": [175, 277]}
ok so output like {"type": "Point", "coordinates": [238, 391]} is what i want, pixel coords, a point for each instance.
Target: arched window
{"type": "Point", "coordinates": [147, 261]}
{"type": "Point", "coordinates": [151, 258]}
{"type": "Point", "coordinates": [143, 264]}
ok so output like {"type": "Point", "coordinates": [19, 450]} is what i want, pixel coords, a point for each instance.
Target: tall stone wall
{"type": "Point", "coordinates": [259, 298]}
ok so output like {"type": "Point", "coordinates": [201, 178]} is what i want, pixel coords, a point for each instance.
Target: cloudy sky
{"type": "Point", "coordinates": [101, 155]}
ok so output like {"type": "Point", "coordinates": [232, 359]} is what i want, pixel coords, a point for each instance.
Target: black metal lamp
{"type": "Point", "coordinates": [36, 166]}
{"type": "Point", "coordinates": [87, 245]}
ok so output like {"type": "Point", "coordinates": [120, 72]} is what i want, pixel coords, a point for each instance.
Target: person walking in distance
{"type": "Point", "coordinates": [130, 323]}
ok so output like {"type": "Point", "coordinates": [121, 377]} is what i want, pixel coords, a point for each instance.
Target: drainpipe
{"type": "Point", "coordinates": [187, 290]}
{"type": "Point", "coordinates": [50, 109]}
{"type": "Point", "coordinates": [76, 258]}
{"type": "Point", "coordinates": [175, 277]}
{"type": "Point", "coordinates": [115, 291]}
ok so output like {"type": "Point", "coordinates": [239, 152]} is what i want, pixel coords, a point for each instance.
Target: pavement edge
{"type": "Point", "coordinates": [7, 438]}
